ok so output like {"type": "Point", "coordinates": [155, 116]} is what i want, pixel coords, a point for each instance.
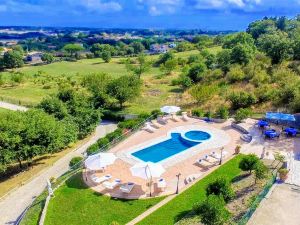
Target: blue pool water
{"type": "Point", "coordinates": [165, 149]}
{"type": "Point", "coordinates": [197, 135]}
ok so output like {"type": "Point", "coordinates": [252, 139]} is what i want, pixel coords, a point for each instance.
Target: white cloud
{"type": "Point", "coordinates": [98, 5]}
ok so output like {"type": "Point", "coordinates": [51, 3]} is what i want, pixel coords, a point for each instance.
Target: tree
{"type": "Point", "coordinates": [241, 38]}
{"type": "Point", "coordinates": [196, 72]}
{"type": "Point", "coordinates": [224, 59]}
{"type": "Point", "coordinates": [212, 211]}
{"type": "Point", "coordinates": [138, 47]}
{"type": "Point", "coordinates": [12, 59]}
{"type": "Point", "coordinates": [257, 28]}
{"type": "Point", "coordinates": [242, 114]}
{"type": "Point", "coordinates": [277, 46]}
{"type": "Point", "coordinates": [222, 188]}
{"type": "Point", "coordinates": [47, 57]}
{"type": "Point", "coordinates": [106, 56]}
{"type": "Point", "coordinates": [164, 57]}
{"type": "Point", "coordinates": [72, 49]}
{"type": "Point", "coordinates": [260, 171]}
{"type": "Point", "coordinates": [203, 93]}
{"type": "Point", "coordinates": [241, 99]}
{"type": "Point", "coordinates": [169, 66]}
{"type": "Point", "coordinates": [124, 88]}
{"type": "Point", "coordinates": [235, 74]}
{"type": "Point", "coordinates": [242, 54]}
{"type": "Point", "coordinates": [142, 66]}
{"type": "Point", "coordinates": [248, 163]}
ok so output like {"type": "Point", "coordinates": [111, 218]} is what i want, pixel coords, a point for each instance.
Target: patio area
{"type": "Point", "coordinates": [183, 163]}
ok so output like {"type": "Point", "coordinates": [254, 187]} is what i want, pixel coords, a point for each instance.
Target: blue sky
{"type": "Point", "coordinates": [205, 14]}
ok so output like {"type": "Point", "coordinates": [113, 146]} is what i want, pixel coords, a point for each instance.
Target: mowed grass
{"type": "Point", "coordinates": [76, 204]}
{"type": "Point", "coordinates": [177, 208]}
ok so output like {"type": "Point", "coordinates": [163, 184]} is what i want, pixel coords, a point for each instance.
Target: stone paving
{"type": "Point", "coordinates": [13, 107]}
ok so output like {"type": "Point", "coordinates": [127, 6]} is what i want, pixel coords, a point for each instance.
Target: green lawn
{"type": "Point", "coordinates": [74, 204]}
{"type": "Point", "coordinates": [183, 203]}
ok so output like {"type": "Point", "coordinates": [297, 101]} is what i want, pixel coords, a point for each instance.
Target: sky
{"type": "Point", "coordinates": [156, 14]}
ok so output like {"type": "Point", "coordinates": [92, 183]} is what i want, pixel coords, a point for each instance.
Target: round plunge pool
{"type": "Point", "coordinates": [197, 135]}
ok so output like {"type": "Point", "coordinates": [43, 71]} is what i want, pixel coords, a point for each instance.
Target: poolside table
{"type": "Point", "coordinates": [263, 123]}
{"type": "Point", "coordinates": [290, 131]}
{"type": "Point", "coordinates": [271, 133]}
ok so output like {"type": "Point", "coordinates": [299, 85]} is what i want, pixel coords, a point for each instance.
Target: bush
{"type": "Point", "coordinates": [156, 112]}
{"type": "Point", "coordinates": [249, 162]}
{"type": "Point", "coordinates": [242, 114]}
{"type": "Point", "coordinates": [222, 188]}
{"type": "Point", "coordinates": [235, 74]}
{"type": "Point", "coordinates": [92, 149]}
{"type": "Point", "coordinates": [128, 124]}
{"type": "Point", "coordinates": [75, 161]}
{"type": "Point", "coordinates": [198, 112]}
{"type": "Point", "coordinates": [260, 171]}
{"type": "Point", "coordinates": [203, 93]}
{"type": "Point", "coordinates": [212, 211]}
{"type": "Point", "coordinates": [242, 100]}
{"type": "Point", "coordinates": [222, 112]}
{"type": "Point", "coordinates": [102, 142]}
{"type": "Point", "coordinates": [113, 135]}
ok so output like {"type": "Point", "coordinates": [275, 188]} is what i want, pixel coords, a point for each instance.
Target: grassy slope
{"type": "Point", "coordinates": [74, 204]}
{"type": "Point", "coordinates": [30, 93]}
{"type": "Point", "coordinates": [183, 203]}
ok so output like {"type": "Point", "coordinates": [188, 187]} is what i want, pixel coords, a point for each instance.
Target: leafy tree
{"type": "Point", "coordinates": [47, 57]}
{"type": "Point", "coordinates": [241, 38]}
{"type": "Point", "coordinates": [242, 54]}
{"type": "Point", "coordinates": [72, 48]}
{"type": "Point", "coordinates": [12, 59]}
{"type": "Point", "coordinates": [222, 188]}
{"type": "Point", "coordinates": [106, 56]}
{"type": "Point", "coordinates": [197, 72]}
{"type": "Point", "coordinates": [97, 49]}
{"type": "Point", "coordinates": [138, 47]}
{"type": "Point", "coordinates": [260, 171]}
{"type": "Point", "coordinates": [242, 114]}
{"type": "Point", "coordinates": [142, 66]}
{"type": "Point", "coordinates": [124, 88]}
{"type": "Point", "coordinates": [248, 163]}
{"type": "Point", "coordinates": [169, 66]}
{"type": "Point", "coordinates": [281, 23]}
{"type": "Point", "coordinates": [165, 57]}
{"type": "Point", "coordinates": [184, 46]}
{"type": "Point", "coordinates": [203, 93]}
{"type": "Point", "coordinates": [277, 46]}
{"type": "Point", "coordinates": [53, 106]}
{"type": "Point", "coordinates": [257, 28]}
{"type": "Point", "coordinates": [224, 59]}
{"type": "Point", "coordinates": [242, 99]}
{"type": "Point", "coordinates": [212, 211]}
{"type": "Point", "coordinates": [296, 49]}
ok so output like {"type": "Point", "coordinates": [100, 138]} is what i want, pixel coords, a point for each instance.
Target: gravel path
{"type": "Point", "coordinates": [12, 206]}
{"type": "Point", "coordinates": [13, 107]}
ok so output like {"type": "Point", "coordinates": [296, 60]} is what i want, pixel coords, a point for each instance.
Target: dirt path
{"type": "Point", "coordinates": [12, 206]}
{"type": "Point", "coordinates": [13, 107]}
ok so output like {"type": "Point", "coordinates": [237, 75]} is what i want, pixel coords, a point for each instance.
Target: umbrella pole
{"type": "Point", "coordinates": [150, 186]}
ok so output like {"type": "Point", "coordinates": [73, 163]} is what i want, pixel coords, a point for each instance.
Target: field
{"type": "Point", "coordinates": [42, 80]}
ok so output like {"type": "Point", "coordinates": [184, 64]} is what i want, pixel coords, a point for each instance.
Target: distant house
{"type": "Point", "coordinates": [34, 57]}
{"type": "Point", "coordinates": [158, 48]}
{"type": "Point", "coordinates": [172, 45]}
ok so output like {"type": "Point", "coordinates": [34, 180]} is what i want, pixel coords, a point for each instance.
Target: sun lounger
{"type": "Point", "coordinates": [156, 124]}
{"type": "Point", "coordinates": [203, 163]}
{"type": "Point", "coordinates": [161, 183]}
{"type": "Point", "coordinates": [210, 159]}
{"type": "Point", "coordinates": [99, 180]}
{"type": "Point", "coordinates": [218, 155]}
{"type": "Point", "coordinates": [191, 178]}
{"type": "Point", "coordinates": [162, 120]}
{"type": "Point", "coordinates": [127, 188]}
{"type": "Point", "coordinates": [111, 185]}
{"type": "Point", "coordinates": [185, 116]}
{"type": "Point", "coordinates": [175, 118]}
{"type": "Point", "coordinates": [149, 128]}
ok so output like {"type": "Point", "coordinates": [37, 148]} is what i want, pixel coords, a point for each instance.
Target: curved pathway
{"type": "Point", "coordinates": [13, 107]}
{"type": "Point", "coordinates": [12, 206]}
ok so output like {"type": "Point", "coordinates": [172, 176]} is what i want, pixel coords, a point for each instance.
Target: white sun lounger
{"type": "Point", "coordinates": [218, 155]}
{"type": "Point", "coordinates": [162, 120]}
{"type": "Point", "coordinates": [111, 185]}
{"type": "Point", "coordinates": [185, 116]}
{"type": "Point", "coordinates": [203, 163]}
{"type": "Point", "coordinates": [127, 188]}
{"type": "Point", "coordinates": [175, 118]}
{"type": "Point", "coordinates": [149, 128]}
{"type": "Point", "coordinates": [210, 159]}
{"type": "Point", "coordinates": [99, 180]}
{"type": "Point", "coordinates": [156, 124]}
{"type": "Point", "coordinates": [161, 183]}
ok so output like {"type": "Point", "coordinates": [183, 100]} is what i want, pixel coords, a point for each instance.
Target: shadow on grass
{"type": "Point", "coordinates": [183, 214]}
{"type": "Point", "coordinates": [240, 177]}
{"type": "Point", "coordinates": [76, 182]}
{"type": "Point", "coordinates": [176, 90]}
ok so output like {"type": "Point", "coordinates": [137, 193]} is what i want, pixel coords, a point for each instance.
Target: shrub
{"type": "Point", "coordinates": [260, 171]}
{"type": "Point", "coordinates": [156, 112]}
{"type": "Point", "coordinates": [128, 124]}
{"type": "Point", "coordinates": [75, 161]}
{"type": "Point", "coordinates": [209, 114]}
{"type": "Point", "coordinates": [222, 188]}
{"type": "Point", "coordinates": [242, 114]}
{"type": "Point", "coordinates": [235, 74]}
{"type": "Point", "coordinates": [102, 142]}
{"type": "Point", "coordinates": [198, 112]}
{"type": "Point", "coordinates": [212, 211]}
{"type": "Point", "coordinates": [197, 72]}
{"type": "Point", "coordinates": [92, 149]}
{"type": "Point", "coordinates": [242, 100]}
{"type": "Point", "coordinates": [222, 112]}
{"type": "Point", "coordinates": [248, 162]}
{"type": "Point", "coordinates": [114, 135]}
{"type": "Point", "coordinates": [203, 93]}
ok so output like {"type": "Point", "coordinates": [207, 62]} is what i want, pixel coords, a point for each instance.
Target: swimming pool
{"type": "Point", "coordinates": [178, 142]}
